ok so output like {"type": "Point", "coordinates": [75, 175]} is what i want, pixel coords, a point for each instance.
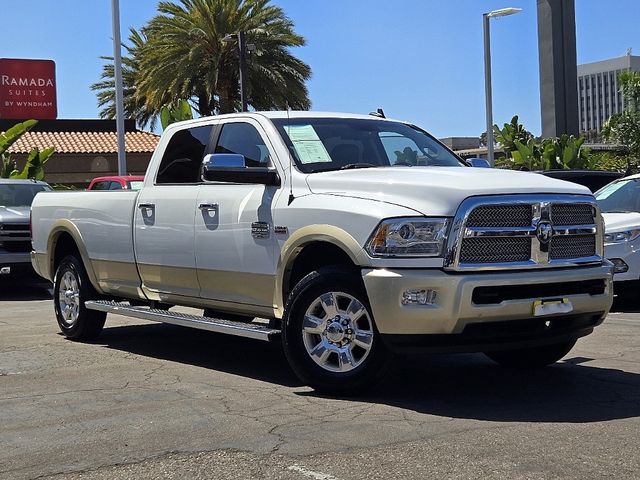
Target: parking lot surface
{"type": "Point", "coordinates": [156, 401]}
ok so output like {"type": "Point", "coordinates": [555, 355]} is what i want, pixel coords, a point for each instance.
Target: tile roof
{"type": "Point", "coordinates": [86, 142]}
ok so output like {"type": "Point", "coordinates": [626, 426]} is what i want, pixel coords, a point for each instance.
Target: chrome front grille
{"type": "Point", "coordinates": [525, 231]}
{"type": "Point", "coordinates": [572, 247]}
{"type": "Point", "coordinates": [500, 216]}
{"type": "Point", "coordinates": [15, 237]}
{"type": "Point", "coordinates": [572, 214]}
{"type": "Point", "coordinates": [495, 249]}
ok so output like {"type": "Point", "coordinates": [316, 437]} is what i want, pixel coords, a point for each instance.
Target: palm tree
{"type": "Point", "coordinates": [135, 105]}
{"type": "Point", "coordinates": [182, 55]}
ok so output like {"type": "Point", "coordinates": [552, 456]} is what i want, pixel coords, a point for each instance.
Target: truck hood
{"type": "Point", "coordinates": [14, 214]}
{"type": "Point", "coordinates": [435, 191]}
{"type": "Point", "coordinates": [618, 222]}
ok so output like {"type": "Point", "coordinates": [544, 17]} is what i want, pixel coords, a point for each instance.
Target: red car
{"type": "Point", "coordinates": [129, 182]}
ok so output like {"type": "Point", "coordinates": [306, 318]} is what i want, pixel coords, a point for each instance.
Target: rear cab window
{"type": "Point", "coordinates": [183, 156]}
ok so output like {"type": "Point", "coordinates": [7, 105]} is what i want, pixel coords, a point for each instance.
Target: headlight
{"type": "Point", "coordinates": [409, 237]}
{"type": "Point", "coordinates": [619, 237]}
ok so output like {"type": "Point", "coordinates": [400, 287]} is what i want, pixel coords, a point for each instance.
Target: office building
{"type": "Point", "coordinates": [599, 93]}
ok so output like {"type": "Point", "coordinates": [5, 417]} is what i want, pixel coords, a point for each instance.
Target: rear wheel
{"type": "Point", "coordinates": [329, 335]}
{"type": "Point", "coordinates": [71, 289]}
{"type": "Point", "coordinates": [532, 357]}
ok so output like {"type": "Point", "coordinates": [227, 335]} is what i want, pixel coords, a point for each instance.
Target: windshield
{"type": "Point", "coordinates": [620, 196]}
{"type": "Point", "coordinates": [19, 194]}
{"type": "Point", "coordinates": [321, 144]}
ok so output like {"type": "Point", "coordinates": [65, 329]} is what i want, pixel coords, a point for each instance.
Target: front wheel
{"type": "Point", "coordinates": [70, 290]}
{"type": "Point", "coordinates": [532, 357]}
{"type": "Point", "coordinates": [329, 335]}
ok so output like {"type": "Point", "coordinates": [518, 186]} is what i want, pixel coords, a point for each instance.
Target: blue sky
{"type": "Point", "coordinates": [421, 60]}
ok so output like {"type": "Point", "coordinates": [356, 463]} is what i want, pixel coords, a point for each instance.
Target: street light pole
{"type": "Point", "coordinates": [242, 57]}
{"type": "Point", "coordinates": [117, 62]}
{"type": "Point", "coordinates": [487, 88]}
{"type": "Point", "coordinates": [243, 70]}
{"type": "Point", "coordinates": [486, 17]}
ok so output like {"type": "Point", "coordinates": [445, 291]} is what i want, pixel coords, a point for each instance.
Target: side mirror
{"type": "Point", "coordinates": [231, 168]}
{"type": "Point", "coordinates": [478, 162]}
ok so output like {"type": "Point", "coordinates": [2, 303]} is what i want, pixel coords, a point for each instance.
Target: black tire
{"type": "Point", "coordinates": [372, 365]}
{"type": "Point", "coordinates": [86, 324]}
{"type": "Point", "coordinates": [532, 357]}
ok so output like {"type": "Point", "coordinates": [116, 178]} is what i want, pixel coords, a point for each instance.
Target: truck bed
{"type": "Point", "coordinates": [103, 220]}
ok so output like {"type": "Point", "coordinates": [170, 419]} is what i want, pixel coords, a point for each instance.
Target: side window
{"type": "Point", "coordinates": [244, 139]}
{"type": "Point", "coordinates": [100, 186]}
{"type": "Point", "coordinates": [115, 186]}
{"type": "Point", "coordinates": [404, 150]}
{"type": "Point", "coordinates": [183, 156]}
{"type": "Point", "coordinates": [399, 148]}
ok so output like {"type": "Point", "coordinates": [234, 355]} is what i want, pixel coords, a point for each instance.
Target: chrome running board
{"type": "Point", "coordinates": [218, 325]}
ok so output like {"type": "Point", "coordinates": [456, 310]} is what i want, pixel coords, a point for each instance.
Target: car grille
{"type": "Point", "coordinates": [15, 237]}
{"type": "Point", "coordinates": [572, 214]}
{"type": "Point", "coordinates": [492, 250]}
{"type": "Point", "coordinates": [572, 247]}
{"type": "Point", "coordinates": [500, 216]}
{"type": "Point", "coordinates": [525, 232]}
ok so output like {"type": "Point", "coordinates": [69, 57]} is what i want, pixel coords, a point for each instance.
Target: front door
{"type": "Point", "coordinates": [165, 214]}
{"type": "Point", "coordinates": [235, 247]}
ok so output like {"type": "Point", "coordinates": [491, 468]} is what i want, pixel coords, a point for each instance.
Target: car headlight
{"type": "Point", "coordinates": [619, 237]}
{"type": "Point", "coordinates": [409, 237]}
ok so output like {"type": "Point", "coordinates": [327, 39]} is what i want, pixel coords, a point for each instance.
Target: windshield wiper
{"type": "Point", "coordinates": [349, 166]}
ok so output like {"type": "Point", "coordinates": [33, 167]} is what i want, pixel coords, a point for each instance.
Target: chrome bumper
{"type": "Point", "coordinates": [454, 309]}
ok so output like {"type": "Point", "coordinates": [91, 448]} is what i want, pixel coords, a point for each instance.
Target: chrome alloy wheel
{"type": "Point", "coordinates": [69, 298]}
{"type": "Point", "coordinates": [337, 332]}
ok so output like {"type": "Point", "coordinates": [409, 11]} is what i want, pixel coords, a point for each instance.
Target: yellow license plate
{"type": "Point", "coordinates": [551, 306]}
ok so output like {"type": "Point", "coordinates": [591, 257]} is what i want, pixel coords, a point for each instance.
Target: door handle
{"type": "Point", "coordinates": [208, 206]}
{"type": "Point", "coordinates": [146, 206]}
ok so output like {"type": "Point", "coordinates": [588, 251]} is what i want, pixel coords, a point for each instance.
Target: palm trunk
{"type": "Point", "coordinates": [204, 105]}
{"type": "Point", "coordinates": [226, 100]}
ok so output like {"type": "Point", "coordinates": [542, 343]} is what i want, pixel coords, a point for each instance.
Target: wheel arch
{"type": "Point", "coordinates": [65, 239]}
{"type": "Point", "coordinates": [311, 247]}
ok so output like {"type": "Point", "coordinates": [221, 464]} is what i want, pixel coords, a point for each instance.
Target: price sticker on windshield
{"type": "Point", "coordinates": [308, 145]}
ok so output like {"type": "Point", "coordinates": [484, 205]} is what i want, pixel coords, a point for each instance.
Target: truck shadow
{"type": "Point", "coordinates": [625, 305]}
{"type": "Point", "coordinates": [240, 356]}
{"type": "Point", "coordinates": [458, 386]}
{"type": "Point", "coordinates": [472, 387]}
{"type": "Point", "coordinates": [24, 290]}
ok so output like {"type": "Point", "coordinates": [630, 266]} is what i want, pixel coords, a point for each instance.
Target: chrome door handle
{"type": "Point", "coordinates": [208, 206]}
{"type": "Point", "coordinates": [146, 206]}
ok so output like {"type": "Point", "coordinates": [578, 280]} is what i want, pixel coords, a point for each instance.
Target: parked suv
{"type": "Point", "coordinates": [16, 197]}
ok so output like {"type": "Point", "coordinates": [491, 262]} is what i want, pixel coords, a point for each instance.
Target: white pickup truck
{"type": "Point", "coordinates": [354, 236]}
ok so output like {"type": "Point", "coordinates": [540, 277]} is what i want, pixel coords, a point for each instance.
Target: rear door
{"type": "Point", "coordinates": [164, 217]}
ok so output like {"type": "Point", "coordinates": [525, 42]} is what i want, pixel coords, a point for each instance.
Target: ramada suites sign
{"type": "Point", "coordinates": [28, 89]}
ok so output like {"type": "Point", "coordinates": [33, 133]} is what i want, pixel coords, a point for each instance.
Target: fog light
{"type": "Point", "coordinates": [619, 266]}
{"type": "Point", "coordinates": [419, 297]}
{"type": "Point", "coordinates": [5, 270]}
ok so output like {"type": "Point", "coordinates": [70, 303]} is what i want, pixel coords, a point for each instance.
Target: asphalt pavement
{"type": "Point", "coordinates": [156, 401]}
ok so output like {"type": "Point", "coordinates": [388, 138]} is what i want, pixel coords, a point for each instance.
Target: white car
{"type": "Point", "coordinates": [355, 236]}
{"type": "Point", "coordinates": [620, 204]}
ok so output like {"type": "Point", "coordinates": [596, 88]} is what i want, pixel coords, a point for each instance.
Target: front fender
{"type": "Point", "coordinates": [309, 234]}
